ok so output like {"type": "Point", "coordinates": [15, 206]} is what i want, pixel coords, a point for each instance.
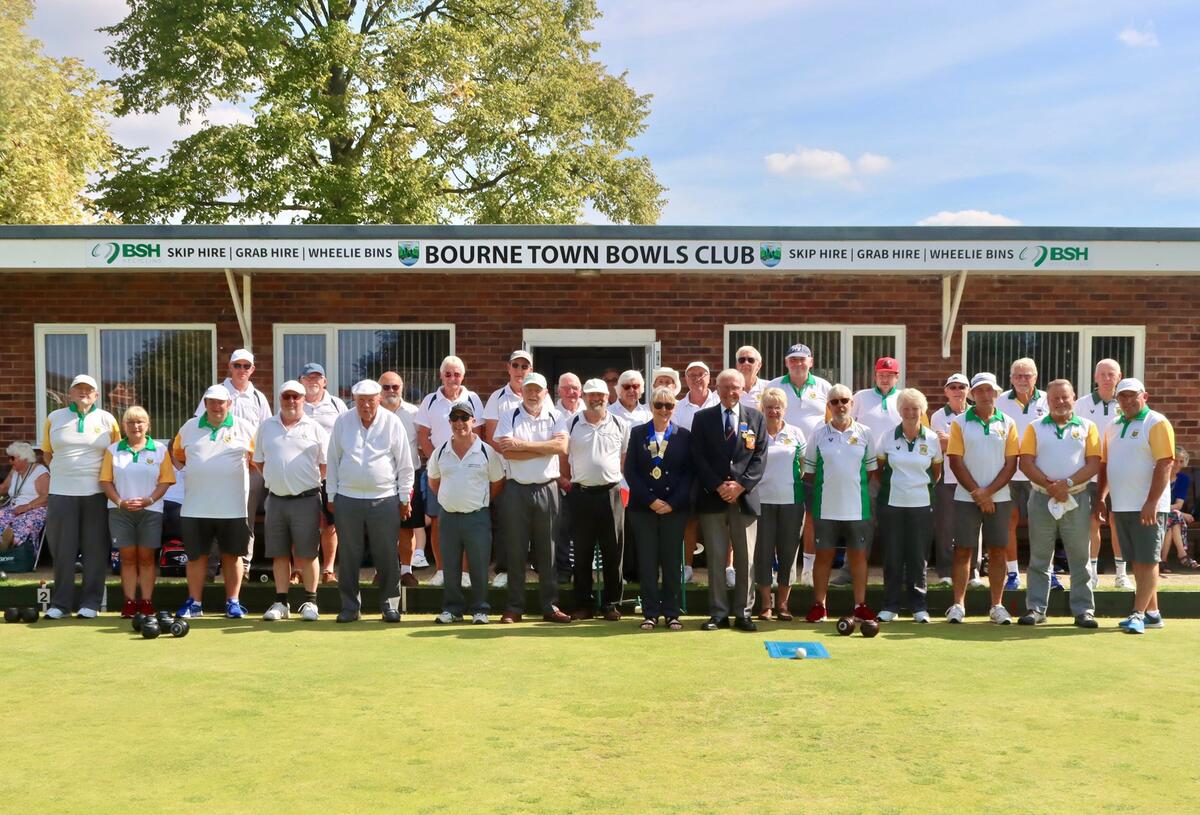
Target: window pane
{"type": "Point", "coordinates": [299, 350]}
{"type": "Point", "coordinates": [164, 370]}
{"type": "Point", "coordinates": [1118, 348]}
{"type": "Point", "coordinates": [1056, 353]}
{"type": "Point", "coordinates": [773, 344]}
{"type": "Point", "coordinates": [867, 349]}
{"type": "Point", "coordinates": [415, 354]}
{"type": "Point", "coordinates": [66, 358]}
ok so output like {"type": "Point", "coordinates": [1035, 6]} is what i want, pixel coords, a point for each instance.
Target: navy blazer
{"type": "Point", "coordinates": [715, 464]}
{"type": "Point", "coordinates": [675, 486]}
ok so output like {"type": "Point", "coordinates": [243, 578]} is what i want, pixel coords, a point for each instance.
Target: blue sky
{"type": "Point", "coordinates": [834, 112]}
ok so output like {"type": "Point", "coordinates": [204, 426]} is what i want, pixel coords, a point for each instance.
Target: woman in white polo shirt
{"type": "Point", "coordinates": [135, 475]}
{"type": "Point", "coordinates": [73, 443]}
{"type": "Point", "coordinates": [910, 461]}
{"type": "Point", "coordinates": [781, 493]}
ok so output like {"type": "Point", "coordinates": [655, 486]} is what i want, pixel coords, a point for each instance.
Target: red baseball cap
{"type": "Point", "coordinates": [887, 364]}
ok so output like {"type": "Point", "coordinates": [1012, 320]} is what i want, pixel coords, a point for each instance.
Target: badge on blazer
{"type": "Point", "coordinates": [924, 449]}
{"type": "Point", "coordinates": [748, 437]}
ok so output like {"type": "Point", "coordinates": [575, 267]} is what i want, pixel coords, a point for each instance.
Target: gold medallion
{"type": "Point", "coordinates": [656, 473]}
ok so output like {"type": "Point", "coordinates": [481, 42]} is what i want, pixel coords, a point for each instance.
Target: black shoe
{"type": "Point", "coordinates": [1086, 620]}
{"type": "Point", "coordinates": [391, 615]}
{"type": "Point", "coordinates": [745, 624]}
{"type": "Point", "coordinates": [348, 616]}
{"type": "Point", "coordinates": [713, 623]}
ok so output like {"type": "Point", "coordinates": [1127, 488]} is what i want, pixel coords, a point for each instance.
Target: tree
{"type": "Point", "coordinates": [53, 133]}
{"type": "Point", "coordinates": [391, 111]}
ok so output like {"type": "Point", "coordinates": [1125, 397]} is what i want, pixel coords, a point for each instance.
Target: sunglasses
{"type": "Point", "coordinates": [957, 387]}
{"type": "Point", "coordinates": [746, 360]}
{"type": "Point", "coordinates": [664, 405]}
{"type": "Point", "coordinates": [520, 366]}
{"type": "Point", "coordinates": [839, 401]}
{"type": "Point", "coordinates": [242, 366]}
{"type": "Point", "coordinates": [291, 397]}
{"type": "Point", "coordinates": [630, 386]}
{"type": "Point", "coordinates": [460, 417]}
{"type": "Point", "coordinates": [390, 388]}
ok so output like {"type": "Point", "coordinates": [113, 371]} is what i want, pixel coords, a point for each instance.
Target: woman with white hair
{"type": "Point", "coordinates": [781, 493]}
{"type": "Point", "coordinates": [24, 493]}
{"type": "Point", "coordinates": [629, 399]}
{"type": "Point", "coordinates": [910, 462]}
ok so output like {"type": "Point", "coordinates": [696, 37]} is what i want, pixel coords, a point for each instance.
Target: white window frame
{"type": "Point", "coordinates": [532, 338]}
{"type": "Point", "coordinates": [92, 332]}
{"type": "Point", "coordinates": [330, 331]}
{"type": "Point", "coordinates": [848, 332]}
{"type": "Point", "coordinates": [1082, 380]}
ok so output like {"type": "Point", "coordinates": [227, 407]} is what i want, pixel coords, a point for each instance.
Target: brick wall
{"type": "Point", "coordinates": [688, 313]}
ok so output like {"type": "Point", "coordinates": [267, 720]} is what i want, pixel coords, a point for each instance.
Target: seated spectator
{"type": "Point", "coordinates": [26, 491]}
{"type": "Point", "coordinates": [1177, 519]}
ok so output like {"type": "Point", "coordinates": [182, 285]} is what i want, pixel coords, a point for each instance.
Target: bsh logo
{"type": "Point", "coordinates": [112, 250]}
{"type": "Point", "coordinates": [1041, 253]}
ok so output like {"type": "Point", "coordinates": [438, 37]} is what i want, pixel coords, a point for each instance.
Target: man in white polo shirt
{"type": "Point", "coordinates": [876, 406]}
{"type": "Point", "coordinates": [982, 451]}
{"type": "Point", "coordinates": [216, 449]}
{"type": "Point", "coordinates": [467, 476]}
{"type": "Point", "coordinates": [1102, 408]}
{"type": "Point", "coordinates": [369, 477]}
{"type": "Point", "coordinates": [1136, 458]}
{"type": "Point", "coordinates": [531, 438]}
{"type": "Point", "coordinates": [748, 362]}
{"type": "Point", "coordinates": [629, 406]}
{"type": "Point", "coordinates": [433, 430]}
{"type": "Point", "coordinates": [1059, 454]}
{"type": "Point", "coordinates": [698, 397]}
{"type": "Point", "coordinates": [570, 395]}
{"type": "Point", "coordinates": [324, 407]}
{"type": "Point", "coordinates": [1024, 404]}
{"type": "Point", "coordinates": [596, 445]}
{"type": "Point", "coordinates": [943, 504]}
{"type": "Point", "coordinates": [506, 398]}
{"type": "Point", "coordinates": [290, 448]}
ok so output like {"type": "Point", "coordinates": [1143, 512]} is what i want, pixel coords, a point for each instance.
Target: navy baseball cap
{"type": "Point", "coordinates": [312, 368]}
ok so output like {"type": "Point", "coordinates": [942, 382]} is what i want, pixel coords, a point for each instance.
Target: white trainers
{"type": "Point", "coordinates": [466, 580]}
{"type": "Point", "coordinates": [730, 577]}
{"type": "Point", "coordinates": [445, 618]}
{"type": "Point", "coordinates": [806, 577]}
{"type": "Point", "coordinates": [921, 617]}
{"type": "Point", "coordinates": [309, 612]}
{"type": "Point", "coordinates": [418, 559]}
{"type": "Point", "coordinates": [687, 574]}
{"type": "Point", "coordinates": [1093, 578]}
{"type": "Point", "coordinates": [944, 581]}
{"type": "Point", "coordinates": [977, 582]}
{"type": "Point", "coordinates": [55, 613]}
{"type": "Point", "coordinates": [886, 616]}
{"type": "Point", "coordinates": [479, 618]}
{"type": "Point", "coordinates": [500, 580]}
{"type": "Point", "coordinates": [438, 579]}
{"type": "Point", "coordinates": [277, 611]}
{"type": "Point", "coordinates": [956, 613]}
{"type": "Point", "coordinates": [87, 613]}
{"type": "Point", "coordinates": [1123, 582]}
{"type": "Point", "coordinates": [999, 615]}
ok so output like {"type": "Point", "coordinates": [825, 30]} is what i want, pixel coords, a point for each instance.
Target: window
{"type": "Point", "coordinates": [1060, 352]}
{"type": "Point", "coordinates": [163, 369]}
{"type": "Point", "coordinates": [353, 352]}
{"type": "Point", "coordinates": [841, 353]}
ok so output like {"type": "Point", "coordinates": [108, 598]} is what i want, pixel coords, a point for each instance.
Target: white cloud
{"type": "Point", "coordinates": [968, 217]}
{"type": "Point", "coordinates": [826, 165]}
{"type": "Point", "coordinates": [1146, 38]}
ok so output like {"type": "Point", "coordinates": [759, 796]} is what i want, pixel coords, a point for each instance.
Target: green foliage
{"type": "Point", "coordinates": [386, 111]}
{"type": "Point", "coordinates": [52, 130]}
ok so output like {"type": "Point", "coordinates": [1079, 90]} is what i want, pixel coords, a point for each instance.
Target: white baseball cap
{"type": "Point", "coordinates": [960, 379]}
{"type": "Point", "coordinates": [241, 355]}
{"type": "Point", "coordinates": [595, 386]}
{"type": "Point", "coordinates": [291, 386]}
{"type": "Point", "coordinates": [519, 354]}
{"type": "Point", "coordinates": [697, 364]}
{"type": "Point", "coordinates": [985, 378]}
{"type": "Point", "coordinates": [217, 392]}
{"type": "Point", "coordinates": [1130, 384]}
{"type": "Point", "coordinates": [84, 379]}
{"type": "Point", "coordinates": [366, 387]}
{"type": "Point", "coordinates": [534, 378]}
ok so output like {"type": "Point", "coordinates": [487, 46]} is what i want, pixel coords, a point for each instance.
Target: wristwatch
{"type": "Point", "coordinates": [1070, 483]}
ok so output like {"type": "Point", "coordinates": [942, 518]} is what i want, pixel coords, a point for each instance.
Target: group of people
{"type": "Point", "coordinates": [772, 475]}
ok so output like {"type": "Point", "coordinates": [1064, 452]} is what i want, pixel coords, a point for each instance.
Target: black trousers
{"type": "Point", "coordinates": [595, 518]}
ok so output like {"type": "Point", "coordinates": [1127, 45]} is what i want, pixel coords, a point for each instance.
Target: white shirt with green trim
{"type": "Point", "coordinates": [806, 403]}
{"type": "Point", "coordinates": [217, 480]}
{"type": "Point", "coordinates": [940, 420]}
{"type": "Point", "coordinates": [77, 443]}
{"type": "Point", "coordinates": [1060, 450]}
{"type": "Point", "coordinates": [1034, 410]}
{"type": "Point", "coordinates": [984, 447]}
{"type": "Point", "coordinates": [1100, 412]}
{"type": "Point", "coordinates": [840, 461]}
{"type": "Point", "coordinates": [878, 411]}
{"type": "Point", "coordinates": [1131, 449]}
{"type": "Point", "coordinates": [783, 476]}
{"type": "Point", "coordinates": [908, 467]}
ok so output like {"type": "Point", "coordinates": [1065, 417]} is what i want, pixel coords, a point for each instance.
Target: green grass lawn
{"type": "Point", "coordinates": [597, 718]}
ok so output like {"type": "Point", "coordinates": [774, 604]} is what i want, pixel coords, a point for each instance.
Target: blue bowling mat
{"type": "Point", "coordinates": [787, 650]}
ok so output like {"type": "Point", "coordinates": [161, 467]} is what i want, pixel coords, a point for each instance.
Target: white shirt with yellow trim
{"type": "Point", "coordinates": [1131, 449]}
{"type": "Point", "coordinates": [137, 473]}
{"type": "Point", "coordinates": [1023, 415]}
{"type": "Point", "coordinates": [1060, 450]}
{"type": "Point", "coordinates": [217, 481]}
{"type": "Point", "coordinates": [78, 444]}
{"type": "Point", "coordinates": [291, 456]}
{"type": "Point", "coordinates": [984, 447]}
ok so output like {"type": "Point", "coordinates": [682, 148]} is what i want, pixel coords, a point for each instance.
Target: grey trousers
{"type": "Point", "coordinates": [943, 528]}
{"type": "Point", "coordinates": [528, 513]}
{"type": "Point", "coordinates": [660, 551]}
{"type": "Point", "coordinates": [778, 539]}
{"type": "Point", "coordinates": [1075, 530]}
{"type": "Point", "coordinates": [722, 530]}
{"type": "Point", "coordinates": [469, 532]}
{"type": "Point", "coordinates": [907, 534]}
{"type": "Point", "coordinates": [363, 520]}
{"type": "Point", "coordinates": [78, 524]}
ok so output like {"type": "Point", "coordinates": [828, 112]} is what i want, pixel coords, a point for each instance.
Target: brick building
{"type": "Point", "coordinates": [153, 312]}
